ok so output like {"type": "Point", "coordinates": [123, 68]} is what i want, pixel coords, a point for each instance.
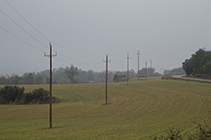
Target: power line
{"type": "Point", "coordinates": [79, 61]}
{"type": "Point", "coordinates": [27, 21]}
{"type": "Point", "coordinates": [21, 39]}
{"type": "Point", "coordinates": [82, 52]}
{"type": "Point", "coordinates": [45, 37]}
{"type": "Point", "coordinates": [76, 50]}
{"type": "Point", "coordinates": [22, 28]}
{"type": "Point", "coordinates": [118, 61]}
{"type": "Point", "coordinates": [39, 33]}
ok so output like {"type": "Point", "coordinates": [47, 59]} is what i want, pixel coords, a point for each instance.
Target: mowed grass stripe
{"type": "Point", "coordinates": [135, 111]}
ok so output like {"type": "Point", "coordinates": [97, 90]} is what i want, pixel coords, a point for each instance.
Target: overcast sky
{"type": "Point", "coordinates": [82, 32]}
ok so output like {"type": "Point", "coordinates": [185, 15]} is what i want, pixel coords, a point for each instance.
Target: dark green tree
{"type": "Point", "coordinates": [188, 67]}
{"type": "Point", "coordinates": [199, 63]}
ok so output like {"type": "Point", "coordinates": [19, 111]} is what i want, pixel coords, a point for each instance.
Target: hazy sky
{"type": "Point", "coordinates": [82, 32]}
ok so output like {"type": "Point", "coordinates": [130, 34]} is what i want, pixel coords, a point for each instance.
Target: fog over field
{"type": "Point", "coordinates": [83, 32]}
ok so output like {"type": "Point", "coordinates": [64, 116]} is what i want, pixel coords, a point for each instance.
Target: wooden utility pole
{"type": "Point", "coordinates": [106, 88]}
{"type": "Point", "coordinates": [128, 69]}
{"type": "Point", "coordinates": [150, 63]}
{"type": "Point", "coordinates": [146, 69]}
{"type": "Point", "coordinates": [50, 99]}
{"type": "Point", "coordinates": [138, 63]}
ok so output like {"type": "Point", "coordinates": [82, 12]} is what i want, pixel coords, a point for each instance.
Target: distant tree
{"type": "Point", "coordinates": [199, 63]}
{"type": "Point", "coordinates": [175, 71]}
{"type": "Point", "coordinates": [142, 72]}
{"type": "Point", "coordinates": [71, 73]}
{"type": "Point", "coordinates": [90, 75]}
{"type": "Point", "coordinates": [47, 80]}
{"type": "Point", "coordinates": [132, 73]}
{"type": "Point", "coordinates": [38, 80]}
{"type": "Point", "coordinates": [30, 79]}
{"type": "Point", "coordinates": [25, 78]}
{"type": "Point", "coordinates": [17, 79]}
{"type": "Point", "coordinates": [150, 72]}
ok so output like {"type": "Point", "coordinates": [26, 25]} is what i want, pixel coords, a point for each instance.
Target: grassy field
{"type": "Point", "coordinates": [135, 111]}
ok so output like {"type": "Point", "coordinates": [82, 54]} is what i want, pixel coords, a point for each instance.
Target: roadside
{"type": "Point", "coordinates": [182, 77]}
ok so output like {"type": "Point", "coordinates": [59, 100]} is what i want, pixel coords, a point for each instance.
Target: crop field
{"type": "Point", "coordinates": [135, 111]}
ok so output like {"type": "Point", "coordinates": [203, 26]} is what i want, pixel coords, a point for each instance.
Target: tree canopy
{"type": "Point", "coordinates": [198, 64]}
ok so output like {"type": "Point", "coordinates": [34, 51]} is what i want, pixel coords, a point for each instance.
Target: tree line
{"type": "Point", "coordinates": [73, 75]}
{"type": "Point", "coordinates": [61, 75]}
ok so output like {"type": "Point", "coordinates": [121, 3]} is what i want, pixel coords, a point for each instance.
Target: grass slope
{"type": "Point", "coordinates": [136, 111]}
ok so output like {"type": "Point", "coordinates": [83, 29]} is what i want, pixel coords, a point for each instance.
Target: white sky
{"type": "Point", "coordinates": [165, 31]}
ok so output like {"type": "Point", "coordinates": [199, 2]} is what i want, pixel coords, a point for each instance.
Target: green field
{"type": "Point", "coordinates": [135, 111]}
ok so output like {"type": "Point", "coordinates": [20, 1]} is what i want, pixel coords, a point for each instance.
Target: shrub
{"type": "Point", "coordinates": [40, 94]}
{"type": "Point", "coordinates": [28, 98]}
{"type": "Point", "coordinates": [10, 94]}
{"type": "Point", "coordinates": [14, 94]}
{"type": "Point", "coordinates": [203, 131]}
{"type": "Point", "coordinates": [37, 96]}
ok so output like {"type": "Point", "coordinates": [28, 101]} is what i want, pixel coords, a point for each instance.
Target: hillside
{"type": "Point", "coordinates": [137, 111]}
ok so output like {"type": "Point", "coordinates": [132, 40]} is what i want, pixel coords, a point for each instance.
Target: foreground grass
{"type": "Point", "coordinates": [136, 111]}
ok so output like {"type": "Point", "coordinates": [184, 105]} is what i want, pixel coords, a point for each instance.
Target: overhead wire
{"type": "Point", "coordinates": [88, 53]}
{"type": "Point", "coordinates": [78, 61]}
{"type": "Point", "coordinates": [27, 21]}
{"type": "Point", "coordinates": [75, 63]}
{"type": "Point", "coordinates": [22, 28]}
{"type": "Point", "coordinates": [21, 39]}
{"type": "Point", "coordinates": [76, 50]}
{"type": "Point", "coordinates": [45, 36]}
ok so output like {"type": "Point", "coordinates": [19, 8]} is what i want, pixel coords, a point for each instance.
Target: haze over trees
{"type": "Point", "coordinates": [72, 74]}
{"type": "Point", "coordinates": [199, 64]}
{"type": "Point", "coordinates": [149, 72]}
{"type": "Point", "coordinates": [176, 71]}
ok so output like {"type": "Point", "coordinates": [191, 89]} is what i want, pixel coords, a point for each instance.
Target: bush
{"type": "Point", "coordinates": [40, 94]}
{"type": "Point", "coordinates": [15, 95]}
{"type": "Point", "coordinates": [203, 133]}
{"type": "Point", "coordinates": [10, 94]}
{"type": "Point", "coordinates": [37, 96]}
{"type": "Point", "coordinates": [28, 98]}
